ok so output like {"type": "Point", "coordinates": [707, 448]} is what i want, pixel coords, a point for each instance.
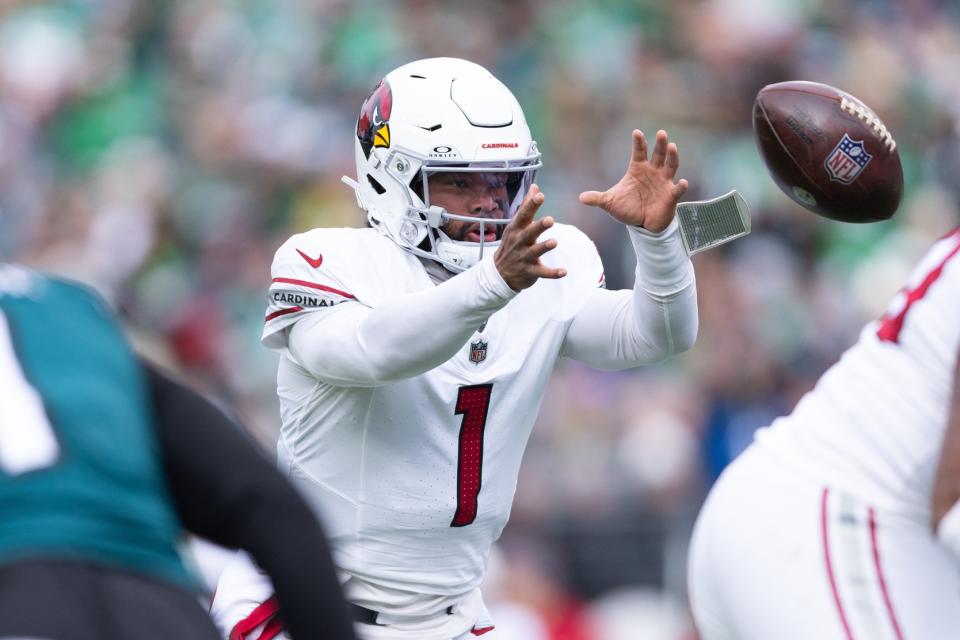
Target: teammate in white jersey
{"type": "Point", "coordinates": [415, 353]}
{"type": "Point", "coordinates": [825, 526]}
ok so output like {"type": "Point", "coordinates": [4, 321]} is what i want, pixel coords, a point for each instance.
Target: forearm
{"type": "Point", "coordinates": [300, 566]}
{"type": "Point", "coordinates": [354, 345]}
{"type": "Point", "coordinates": [657, 319]}
{"type": "Point", "coordinates": [227, 492]}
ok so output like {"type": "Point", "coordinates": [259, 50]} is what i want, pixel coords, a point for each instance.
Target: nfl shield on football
{"type": "Point", "coordinates": [828, 151]}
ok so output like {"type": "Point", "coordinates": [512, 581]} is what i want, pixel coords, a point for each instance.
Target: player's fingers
{"type": "Point", "coordinates": [541, 248]}
{"type": "Point", "coordinates": [551, 273]}
{"type": "Point", "coordinates": [594, 198]}
{"type": "Point", "coordinates": [672, 162]}
{"type": "Point", "coordinates": [639, 151]}
{"type": "Point", "coordinates": [659, 149]}
{"type": "Point", "coordinates": [534, 229]}
{"type": "Point", "coordinates": [528, 208]}
{"type": "Point", "coordinates": [679, 189]}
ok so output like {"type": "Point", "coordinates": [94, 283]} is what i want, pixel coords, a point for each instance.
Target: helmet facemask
{"type": "Point", "coordinates": [458, 211]}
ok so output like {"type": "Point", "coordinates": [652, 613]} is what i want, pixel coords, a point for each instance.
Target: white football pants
{"type": "Point", "coordinates": [778, 555]}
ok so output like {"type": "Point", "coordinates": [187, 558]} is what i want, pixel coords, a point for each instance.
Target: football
{"type": "Point", "coordinates": [828, 151]}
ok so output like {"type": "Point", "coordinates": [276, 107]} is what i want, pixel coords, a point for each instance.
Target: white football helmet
{"type": "Point", "coordinates": [433, 116]}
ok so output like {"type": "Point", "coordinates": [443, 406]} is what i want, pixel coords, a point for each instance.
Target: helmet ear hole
{"type": "Point", "coordinates": [379, 188]}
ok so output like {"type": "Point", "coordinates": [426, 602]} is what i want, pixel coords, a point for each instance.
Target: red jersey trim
{"type": "Point", "coordinates": [872, 523]}
{"type": "Point", "coordinates": [891, 326]}
{"type": "Point", "coordinates": [272, 630]}
{"type": "Point", "coordinates": [263, 613]}
{"type": "Point", "coordinates": [829, 564]}
{"type": "Point", "coordinates": [282, 312]}
{"type": "Point", "coordinates": [314, 285]}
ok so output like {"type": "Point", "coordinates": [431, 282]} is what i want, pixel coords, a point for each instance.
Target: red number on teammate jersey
{"type": "Point", "coordinates": [892, 325]}
{"type": "Point", "coordinates": [472, 404]}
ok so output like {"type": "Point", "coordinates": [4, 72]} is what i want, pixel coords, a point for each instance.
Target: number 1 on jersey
{"type": "Point", "coordinates": [472, 403]}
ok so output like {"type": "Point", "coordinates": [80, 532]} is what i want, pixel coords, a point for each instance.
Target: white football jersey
{"type": "Point", "coordinates": [415, 479]}
{"type": "Point", "coordinates": [875, 422]}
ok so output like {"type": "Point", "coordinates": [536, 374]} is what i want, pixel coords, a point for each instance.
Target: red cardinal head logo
{"type": "Point", "coordinates": [373, 128]}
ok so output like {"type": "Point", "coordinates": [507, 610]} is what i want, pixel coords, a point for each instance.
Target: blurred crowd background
{"type": "Point", "coordinates": [161, 150]}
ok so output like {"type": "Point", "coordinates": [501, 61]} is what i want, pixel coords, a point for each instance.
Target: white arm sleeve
{"type": "Point", "coordinates": [620, 329]}
{"type": "Point", "coordinates": [354, 345]}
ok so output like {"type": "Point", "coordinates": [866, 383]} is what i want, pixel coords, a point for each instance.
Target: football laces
{"type": "Point", "coordinates": [871, 120]}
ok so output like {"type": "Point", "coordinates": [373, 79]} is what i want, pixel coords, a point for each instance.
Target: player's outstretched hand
{"type": "Point", "coordinates": [518, 256]}
{"type": "Point", "coordinates": [646, 195]}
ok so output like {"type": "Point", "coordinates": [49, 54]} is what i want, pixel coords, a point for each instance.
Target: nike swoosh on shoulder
{"type": "Point", "coordinates": [313, 262]}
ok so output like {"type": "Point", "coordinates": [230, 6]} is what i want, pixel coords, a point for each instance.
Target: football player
{"type": "Point", "coordinates": [414, 353]}
{"type": "Point", "coordinates": [822, 527]}
{"type": "Point", "coordinates": [104, 461]}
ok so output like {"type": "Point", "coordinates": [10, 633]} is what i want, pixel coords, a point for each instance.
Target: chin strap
{"type": "Point", "coordinates": [463, 254]}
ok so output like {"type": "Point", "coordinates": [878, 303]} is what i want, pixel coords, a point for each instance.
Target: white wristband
{"type": "Point", "coordinates": [948, 531]}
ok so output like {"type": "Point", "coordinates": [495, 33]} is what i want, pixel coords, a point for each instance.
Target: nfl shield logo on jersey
{"type": "Point", "coordinates": [478, 351]}
{"type": "Point", "coordinates": [847, 160]}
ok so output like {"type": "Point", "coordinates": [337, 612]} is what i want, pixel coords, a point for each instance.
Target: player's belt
{"type": "Point", "coordinates": [369, 616]}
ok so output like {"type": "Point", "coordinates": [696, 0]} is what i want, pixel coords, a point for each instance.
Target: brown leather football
{"type": "Point", "coordinates": [828, 151]}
